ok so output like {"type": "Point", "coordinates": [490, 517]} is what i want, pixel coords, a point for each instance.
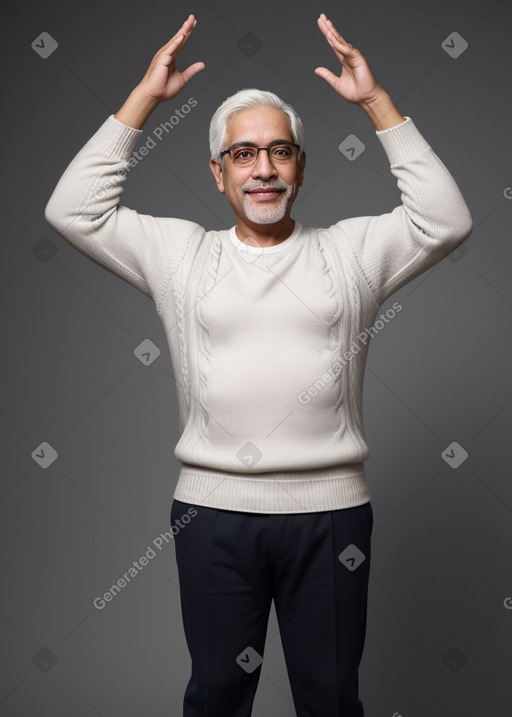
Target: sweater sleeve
{"type": "Point", "coordinates": [433, 219]}
{"type": "Point", "coordinates": [84, 209]}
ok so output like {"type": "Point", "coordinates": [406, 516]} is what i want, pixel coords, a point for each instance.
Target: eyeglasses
{"type": "Point", "coordinates": [245, 155]}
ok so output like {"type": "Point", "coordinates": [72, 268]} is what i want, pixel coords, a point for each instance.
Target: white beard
{"type": "Point", "coordinates": [265, 213]}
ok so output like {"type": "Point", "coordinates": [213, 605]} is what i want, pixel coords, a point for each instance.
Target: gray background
{"type": "Point", "coordinates": [440, 617]}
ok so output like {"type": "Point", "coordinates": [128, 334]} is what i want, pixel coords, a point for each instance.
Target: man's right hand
{"type": "Point", "coordinates": [163, 80]}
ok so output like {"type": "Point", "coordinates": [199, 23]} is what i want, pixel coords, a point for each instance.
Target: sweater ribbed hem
{"type": "Point", "coordinates": [306, 491]}
{"type": "Point", "coordinates": [402, 142]}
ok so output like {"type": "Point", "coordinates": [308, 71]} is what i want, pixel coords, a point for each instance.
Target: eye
{"type": "Point", "coordinates": [244, 153]}
{"type": "Point", "coordinates": [282, 150]}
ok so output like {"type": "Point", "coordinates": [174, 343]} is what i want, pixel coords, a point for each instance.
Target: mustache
{"type": "Point", "coordinates": [273, 185]}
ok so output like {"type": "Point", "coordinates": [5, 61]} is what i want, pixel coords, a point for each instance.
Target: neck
{"type": "Point", "coordinates": [264, 235]}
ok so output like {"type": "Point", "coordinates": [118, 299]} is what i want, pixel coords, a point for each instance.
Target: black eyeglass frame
{"type": "Point", "coordinates": [274, 143]}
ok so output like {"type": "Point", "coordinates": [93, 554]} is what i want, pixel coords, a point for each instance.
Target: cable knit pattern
{"type": "Point", "coordinates": [266, 343]}
{"type": "Point", "coordinates": [353, 382]}
{"type": "Point", "coordinates": [205, 342]}
{"type": "Point", "coordinates": [333, 295]}
{"type": "Point", "coordinates": [179, 300]}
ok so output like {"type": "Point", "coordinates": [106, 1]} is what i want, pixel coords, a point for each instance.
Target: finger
{"type": "Point", "coordinates": [183, 32]}
{"type": "Point", "coordinates": [189, 73]}
{"type": "Point", "coordinates": [323, 27]}
{"type": "Point", "coordinates": [169, 53]}
{"type": "Point", "coordinates": [342, 52]}
{"type": "Point", "coordinates": [177, 43]}
{"type": "Point", "coordinates": [339, 50]}
{"type": "Point", "coordinates": [173, 44]}
{"type": "Point", "coordinates": [327, 75]}
{"type": "Point", "coordinates": [332, 35]}
{"type": "Point", "coordinates": [335, 32]}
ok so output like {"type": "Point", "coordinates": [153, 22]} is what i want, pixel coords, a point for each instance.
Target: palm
{"type": "Point", "coordinates": [163, 80]}
{"type": "Point", "coordinates": [356, 83]}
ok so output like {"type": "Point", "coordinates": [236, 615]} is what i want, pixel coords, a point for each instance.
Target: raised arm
{"type": "Point", "coordinates": [433, 219]}
{"type": "Point", "coordinates": [357, 83]}
{"type": "Point", "coordinates": [84, 207]}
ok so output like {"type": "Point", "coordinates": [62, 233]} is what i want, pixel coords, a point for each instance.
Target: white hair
{"type": "Point", "coordinates": [248, 99]}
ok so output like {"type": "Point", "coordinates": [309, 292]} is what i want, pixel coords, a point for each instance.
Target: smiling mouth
{"type": "Point", "coordinates": [265, 193]}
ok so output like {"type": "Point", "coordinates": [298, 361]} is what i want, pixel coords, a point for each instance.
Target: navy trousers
{"type": "Point", "coordinates": [315, 566]}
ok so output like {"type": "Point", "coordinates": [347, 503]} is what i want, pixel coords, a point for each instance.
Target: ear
{"type": "Point", "coordinates": [302, 164]}
{"type": "Point", "coordinates": [216, 167]}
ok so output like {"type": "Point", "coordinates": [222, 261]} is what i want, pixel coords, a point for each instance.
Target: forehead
{"type": "Point", "coordinates": [260, 124]}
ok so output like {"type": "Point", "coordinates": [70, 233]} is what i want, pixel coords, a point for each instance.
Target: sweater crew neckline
{"type": "Point", "coordinates": [285, 244]}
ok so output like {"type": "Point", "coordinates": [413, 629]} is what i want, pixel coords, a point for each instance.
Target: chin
{"type": "Point", "coordinates": [272, 215]}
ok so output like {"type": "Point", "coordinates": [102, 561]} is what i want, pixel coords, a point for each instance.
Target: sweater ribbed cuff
{"type": "Point", "coordinates": [116, 139]}
{"type": "Point", "coordinates": [402, 142]}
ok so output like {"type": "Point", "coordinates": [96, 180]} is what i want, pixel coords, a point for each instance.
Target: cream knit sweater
{"type": "Point", "coordinates": [268, 346]}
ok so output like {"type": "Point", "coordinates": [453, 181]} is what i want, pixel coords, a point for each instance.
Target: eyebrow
{"type": "Point", "coordinates": [247, 143]}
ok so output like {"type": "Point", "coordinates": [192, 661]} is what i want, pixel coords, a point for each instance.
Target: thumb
{"type": "Point", "coordinates": [192, 70]}
{"type": "Point", "coordinates": [328, 76]}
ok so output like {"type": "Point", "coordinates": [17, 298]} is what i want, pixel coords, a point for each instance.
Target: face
{"type": "Point", "coordinates": [260, 125]}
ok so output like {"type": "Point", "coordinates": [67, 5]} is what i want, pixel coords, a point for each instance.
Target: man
{"type": "Point", "coordinates": [268, 327]}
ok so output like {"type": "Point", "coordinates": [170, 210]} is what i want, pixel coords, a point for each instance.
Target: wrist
{"type": "Point", "coordinates": [380, 95]}
{"type": "Point", "coordinates": [143, 97]}
{"type": "Point", "coordinates": [382, 111]}
{"type": "Point", "coordinates": [137, 108]}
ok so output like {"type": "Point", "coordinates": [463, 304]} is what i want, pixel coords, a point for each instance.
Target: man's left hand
{"type": "Point", "coordinates": [357, 82]}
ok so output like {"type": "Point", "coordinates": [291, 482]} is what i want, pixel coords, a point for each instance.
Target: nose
{"type": "Point", "coordinates": [263, 167]}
